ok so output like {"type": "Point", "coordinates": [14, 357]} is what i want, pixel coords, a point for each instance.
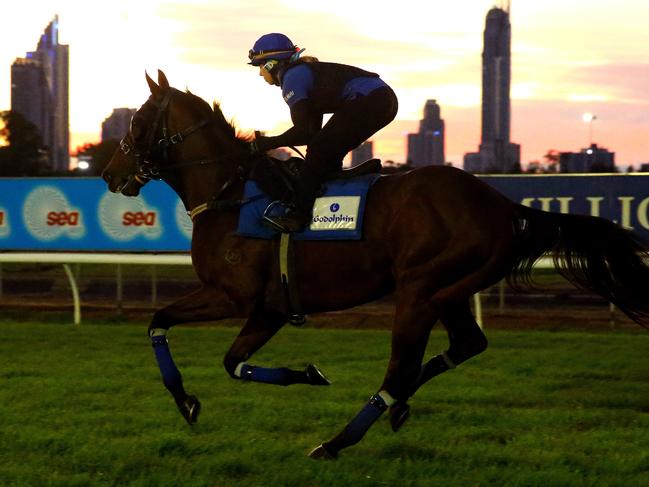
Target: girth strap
{"type": "Point", "coordinates": [286, 273]}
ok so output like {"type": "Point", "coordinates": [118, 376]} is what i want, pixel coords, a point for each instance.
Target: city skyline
{"type": "Point", "coordinates": [39, 92]}
{"type": "Point", "coordinates": [566, 60]}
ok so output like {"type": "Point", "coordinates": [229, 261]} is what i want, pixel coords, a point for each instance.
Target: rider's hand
{"type": "Point", "coordinates": [253, 147]}
{"type": "Point", "coordinates": [258, 144]}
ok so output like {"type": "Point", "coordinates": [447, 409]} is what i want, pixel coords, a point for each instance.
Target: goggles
{"type": "Point", "coordinates": [259, 57]}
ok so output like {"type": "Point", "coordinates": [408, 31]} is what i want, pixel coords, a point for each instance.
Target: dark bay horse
{"type": "Point", "coordinates": [434, 236]}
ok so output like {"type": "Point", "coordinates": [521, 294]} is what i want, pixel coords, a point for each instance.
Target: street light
{"type": "Point", "coordinates": [589, 118]}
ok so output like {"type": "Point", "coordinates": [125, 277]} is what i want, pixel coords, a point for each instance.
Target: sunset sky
{"type": "Point", "coordinates": [568, 57]}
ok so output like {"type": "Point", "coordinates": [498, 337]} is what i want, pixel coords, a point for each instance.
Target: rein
{"type": "Point", "coordinates": [240, 173]}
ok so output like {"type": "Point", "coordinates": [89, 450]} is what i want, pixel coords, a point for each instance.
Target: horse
{"type": "Point", "coordinates": [433, 236]}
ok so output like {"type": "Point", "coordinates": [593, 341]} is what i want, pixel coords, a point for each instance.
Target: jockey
{"type": "Point", "coordinates": [360, 101]}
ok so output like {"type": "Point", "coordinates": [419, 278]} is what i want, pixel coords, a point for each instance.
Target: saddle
{"type": "Point", "coordinates": [278, 178]}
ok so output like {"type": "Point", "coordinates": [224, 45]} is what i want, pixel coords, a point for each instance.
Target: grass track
{"type": "Point", "coordinates": [85, 406]}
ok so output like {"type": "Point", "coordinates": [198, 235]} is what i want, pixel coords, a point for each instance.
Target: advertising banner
{"type": "Point", "coordinates": [80, 214]}
{"type": "Point", "coordinates": [622, 198]}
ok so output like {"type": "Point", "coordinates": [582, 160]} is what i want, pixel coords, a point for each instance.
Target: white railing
{"type": "Point", "coordinates": [67, 258]}
{"type": "Point", "coordinates": [542, 263]}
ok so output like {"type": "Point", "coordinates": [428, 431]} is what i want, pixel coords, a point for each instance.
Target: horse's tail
{"type": "Point", "coordinates": [590, 252]}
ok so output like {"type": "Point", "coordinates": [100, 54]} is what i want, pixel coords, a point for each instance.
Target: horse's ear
{"type": "Point", "coordinates": [162, 80]}
{"type": "Point", "coordinates": [155, 89]}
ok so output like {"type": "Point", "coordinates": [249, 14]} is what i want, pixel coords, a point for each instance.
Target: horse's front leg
{"type": "Point", "coordinates": [261, 327]}
{"type": "Point", "coordinates": [202, 305]}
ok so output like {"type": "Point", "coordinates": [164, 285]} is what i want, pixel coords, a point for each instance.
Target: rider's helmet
{"type": "Point", "coordinates": [273, 46]}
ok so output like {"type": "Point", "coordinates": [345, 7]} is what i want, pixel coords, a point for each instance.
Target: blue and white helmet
{"type": "Point", "coordinates": [271, 46]}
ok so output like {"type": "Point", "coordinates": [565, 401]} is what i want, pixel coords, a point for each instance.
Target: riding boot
{"type": "Point", "coordinates": [306, 189]}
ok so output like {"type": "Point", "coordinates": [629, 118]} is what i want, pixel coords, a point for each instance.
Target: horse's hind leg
{"type": "Point", "coordinates": [413, 322]}
{"type": "Point", "coordinates": [466, 340]}
{"type": "Point", "coordinates": [261, 327]}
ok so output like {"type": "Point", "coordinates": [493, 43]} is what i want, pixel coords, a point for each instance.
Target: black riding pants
{"type": "Point", "coordinates": [351, 125]}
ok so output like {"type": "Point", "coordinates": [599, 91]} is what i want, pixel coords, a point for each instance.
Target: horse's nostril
{"type": "Point", "coordinates": [107, 177]}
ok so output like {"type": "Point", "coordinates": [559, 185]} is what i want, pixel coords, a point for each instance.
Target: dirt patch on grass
{"type": "Point", "coordinates": [378, 315]}
{"type": "Point", "coordinates": [44, 295]}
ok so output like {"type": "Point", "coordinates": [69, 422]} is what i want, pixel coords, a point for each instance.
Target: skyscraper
{"type": "Point", "coordinates": [496, 153]}
{"type": "Point", "coordinates": [426, 147]}
{"type": "Point", "coordinates": [116, 126]}
{"type": "Point", "coordinates": [29, 94]}
{"type": "Point", "coordinates": [39, 92]}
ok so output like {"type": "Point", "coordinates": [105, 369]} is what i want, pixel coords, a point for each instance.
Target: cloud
{"type": "Point", "coordinates": [556, 124]}
{"type": "Point", "coordinates": [215, 35]}
{"type": "Point", "coordinates": [624, 81]}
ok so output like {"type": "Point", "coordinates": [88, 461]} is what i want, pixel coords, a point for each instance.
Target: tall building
{"type": "Point", "coordinates": [426, 147]}
{"type": "Point", "coordinates": [496, 152]}
{"type": "Point", "coordinates": [591, 159]}
{"type": "Point", "coordinates": [116, 126]}
{"type": "Point", "coordinates": [29, 94]}
{"type": "Point", "coordinates": [39, 92]}
{"type": "Point", "coordinates": [362, 153]}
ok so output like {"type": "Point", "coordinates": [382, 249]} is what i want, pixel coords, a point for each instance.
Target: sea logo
{"type": "Point", "coordinates": [5, 229]}
{"type": "Point", "coordinates": [183, 221]}
{"type": "Point", "coordinates": [124, 219]}
{"type": "Point", "coordinates": [334, 207]}
{"type": "Point", "coordinates": [48, 215]}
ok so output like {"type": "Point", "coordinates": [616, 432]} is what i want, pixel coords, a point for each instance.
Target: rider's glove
{"type": "Point", "coordinates": [254, 144]}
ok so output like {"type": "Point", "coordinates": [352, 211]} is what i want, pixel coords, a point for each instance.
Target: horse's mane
{"type": "Point", "coordinates": [225, 125]}
{"type": "Point", "coordinates": [243, 136]}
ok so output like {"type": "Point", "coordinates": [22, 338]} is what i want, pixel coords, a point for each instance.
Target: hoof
{"type": "Point", "coordinates": [190, 409]}
{"type": "Point", "coordinates": [315, 376]}
{"type": "Point", "coordinates": [297, 319]}
{"type": "Point", "coordinates": [320, 453]}
{"type": "Point", "coordinates": [399, 413]}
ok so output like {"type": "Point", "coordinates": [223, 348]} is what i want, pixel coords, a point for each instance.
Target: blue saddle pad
{"type": "Point", "coordinates": [337, 214]}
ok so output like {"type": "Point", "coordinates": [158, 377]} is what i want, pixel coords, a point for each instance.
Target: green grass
{"type": "Point", "coordinates": [85, 406]}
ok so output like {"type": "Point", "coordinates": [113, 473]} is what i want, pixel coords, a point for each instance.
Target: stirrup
{"type": "Point", "coordinates": [270, 220]}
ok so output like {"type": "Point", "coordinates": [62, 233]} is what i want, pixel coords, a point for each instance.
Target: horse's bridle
{"type": "Point", "coordinates": [147, 170]}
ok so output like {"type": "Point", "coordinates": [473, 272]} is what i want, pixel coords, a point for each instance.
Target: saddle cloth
{"type": "Point", "coordinates": [337, 214]}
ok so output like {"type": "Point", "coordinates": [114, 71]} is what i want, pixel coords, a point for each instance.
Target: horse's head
{"type": "Point", "coordinates": [151, 148]}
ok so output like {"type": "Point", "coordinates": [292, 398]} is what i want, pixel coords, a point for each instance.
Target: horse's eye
{"type": "Point", "coordinates": [137, 128]}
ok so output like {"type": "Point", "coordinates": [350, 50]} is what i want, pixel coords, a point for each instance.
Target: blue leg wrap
{"type": "Point", "coordinates": [170, 375]}
{"type": "Point", "coordinates": [358, 426]}
{"type": "Point", "coordinates": [281, 376]}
